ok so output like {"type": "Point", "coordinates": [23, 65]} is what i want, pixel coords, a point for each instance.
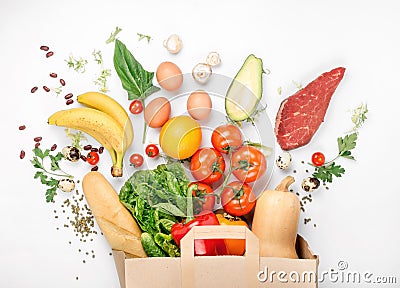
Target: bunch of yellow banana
{"type": "Point", "coordinates": [104, 119]}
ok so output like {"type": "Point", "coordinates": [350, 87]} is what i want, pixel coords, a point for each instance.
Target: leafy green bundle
{"type": "Point", "coordinates": [157, 200]}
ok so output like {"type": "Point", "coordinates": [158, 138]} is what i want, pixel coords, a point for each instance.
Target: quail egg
{"type": "Point", "coordinates": [71, 153]}
{"type": "Point", "coordinates": [310, 184]}
{"type": "Point", "coordinates": [66, 185]}
{"type": "Point", "coordinates": [283, 161]}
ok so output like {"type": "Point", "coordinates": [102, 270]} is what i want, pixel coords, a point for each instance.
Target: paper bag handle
{"type": "Point", "coordinates": [251, 256]}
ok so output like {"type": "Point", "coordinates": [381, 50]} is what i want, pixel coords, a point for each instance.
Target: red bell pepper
{"type": "Point", "coordinates": [201, 247]}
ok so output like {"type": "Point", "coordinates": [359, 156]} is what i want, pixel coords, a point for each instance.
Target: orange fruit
{"type": "Point", "coordinates": [180, 137]}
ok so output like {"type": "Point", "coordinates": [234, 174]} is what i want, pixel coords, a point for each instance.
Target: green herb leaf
{"type": "Point", "coordinates": [44, 175]}
{"type": "Point", "coordinates": [346, 144]}
{"type": "Point", "coordinates": [50, 193]}
{"type": "Point", "coordinates": [359, 116]}
{"type": "Point", "coordinates": [135, 80]}
{"type": "Point", "coordinates": [113, 35]}
{"type": "Point", "coordinates": [326, 173]}
{"type": "Point", "coordinates": [76, 138]}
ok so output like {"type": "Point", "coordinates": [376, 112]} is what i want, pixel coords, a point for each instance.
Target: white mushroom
{"type": "Point", "coordinates": [283, 161]}
{"type": "Point", "coordinates": [310, 184]}
{"type": "Point", "coordinates": [66, 185]}
{"type": "Point", "coordinates": [173, 44]}
{"type": "Point", "coordinates": [213, 59]}
{"type": "Point", "coordinates": [202, 73]}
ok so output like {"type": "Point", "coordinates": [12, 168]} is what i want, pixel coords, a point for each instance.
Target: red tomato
{"type": "Point", "coordinates": [136, 107]}
{"type": "Point", "coordinates": [238, 198]}
{"type": "Point", "coordinates": [207, 165]}
{"type": "Point", "coordinates": [248, 164]}
{"type": "Point", "coordinates": [136, 160]}
{"type": "Point", "coordinates": [152, 150]}
{"type": "Point", "coordinates": [93, 158]}
{"type": "Point", "coordinates": [226, 138]}
{"type": "Point", "coordinates": [204, 199]}
{"type": "Point", "coordinates": [318, 159]}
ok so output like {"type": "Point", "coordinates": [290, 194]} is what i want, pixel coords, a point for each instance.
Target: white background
{"type": "Point", "coordinates": [356, 219]}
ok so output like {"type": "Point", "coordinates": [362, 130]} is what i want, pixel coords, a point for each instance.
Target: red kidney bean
{"type": "Point", "coordinates": [53, 75]}
{"type": "Point", "coordinates": [49, 54]}
{"type": "Point", "coordinates": [45, 88]}
{"type": "Point", "coordinates": [37, 139]}
{"type": "Point", "coordinates": [69, 102]}
{"type": "Point", "coordinates": [68, 96]}
{"type": "Point", "coordinates": [54, 147]}
{"type": "Point", "coordinates": [37, 144]}
{"type": "Point", "coordinates": [62, 82]}
{"type": "Point", "coordinates": [22, 127]}
{"type": "Point", "coordinates": [101, 149]}
{"type": "Point", "coordinates": [34, 89]}
{"type": "Point", "coordinates": [95, 168]}
{"type": "Point", "coordinates": [83, 158]}
{"type": "Point", "coordinates": [22, 154]}
{"type": "Point", "coordinates": [44, 48]}
{"type": "Point", "coordinates": [94, 149]}
{"type": "Point", "coordinates": [87, 147]}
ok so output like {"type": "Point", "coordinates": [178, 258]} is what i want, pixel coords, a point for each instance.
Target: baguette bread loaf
{"type": "Point", "coordinates": [115, 221]}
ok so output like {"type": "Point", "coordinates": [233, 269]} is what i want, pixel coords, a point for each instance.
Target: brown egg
{"type": "Point", "coordinates": [169, 76]}
{"type": "Point", "coordinates": [157, 112]}
{"type": "Point", "coordinates": [199, 105]}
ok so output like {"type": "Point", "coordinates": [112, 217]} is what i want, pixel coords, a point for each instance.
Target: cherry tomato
{"type": "Point", "coordinates": [136, 107]}
{"type": "Point", "coordinates": [93, 158]}
{"type": "Point", "coordinates": [248, 164]}
{"type": "Point", "coordinates": [207, 165]}
{"type": "Point", "coordinates": [234, 246]}
{"type": "Point", "coordinates": [226, 138]}
{"type": "Point", "coordinates": [152, 150]}
{"type": "Point", "coordinates": [203, 197]}
{"type": "Point", "coordinates": [238, 198]}
{"type": "Point", "coordinates": [136, 160]}
{"type": "Point", "coordinates": [318, 159]}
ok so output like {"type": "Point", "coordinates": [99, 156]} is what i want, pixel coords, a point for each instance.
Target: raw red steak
{"type": "Point", "coordinates": [301, 114]}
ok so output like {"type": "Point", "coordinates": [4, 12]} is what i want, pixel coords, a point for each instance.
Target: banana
{"type": "Point", "coordinates": [111, 107]}
{"type": "Point", "coordinates": [103, 142]}
{"type": "Point", "coordinates": [97, 124]}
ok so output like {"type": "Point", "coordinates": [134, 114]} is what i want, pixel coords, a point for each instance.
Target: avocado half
{"type": "Point", "coordinates": [245, 91]}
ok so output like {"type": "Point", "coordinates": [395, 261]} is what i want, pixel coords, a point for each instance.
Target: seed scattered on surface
{"type": "Point", "coordinates": [83, 158]}
{"type": "Point", "coordinates": [22, 154]}
{"type": "Point", "coordinates": [87, 147]}
{"type": "Point", "coordinates": [22, 127]}
{"type": "Point", "coordinates": [37, 139]}
{"type": "Point", "coordinates": [53, 75]}
{"type": "Point", "coordinates": [49, 54]}
{"type": "Point", "coordinates": [62, 82]}
{"type": "Point", "coordinates": [95, 168]}
{"type": "Point", "coordinates": [69, 102]}
{"type": "Point", "coordinates": [68, 96]}
{"type": "Point", "coordinates": [101, 149]}
{"type": "Point", "coordinates": [94, 149]}
{"type": "Point", "coordinates": [44, 48]}
{"type": "Point", "coordinates": [37, 144]}
{"type": "Point", "coordinates": [34, 89]}
{"type": "Point", "coordinates": [54, 147]}
{"type": "Point", "coordinates": [45, 88]}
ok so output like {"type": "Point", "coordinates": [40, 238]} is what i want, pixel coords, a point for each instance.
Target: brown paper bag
{"type": "Point", "coordinates": [191, 271]}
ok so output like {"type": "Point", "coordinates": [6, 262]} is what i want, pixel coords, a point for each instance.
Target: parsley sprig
{"type": "Point", "coordinates": [45, 175]}
{"type": "Point", "coordinates": [326, 172]}
{"type": "Point", "coordinates": [345, 144]}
